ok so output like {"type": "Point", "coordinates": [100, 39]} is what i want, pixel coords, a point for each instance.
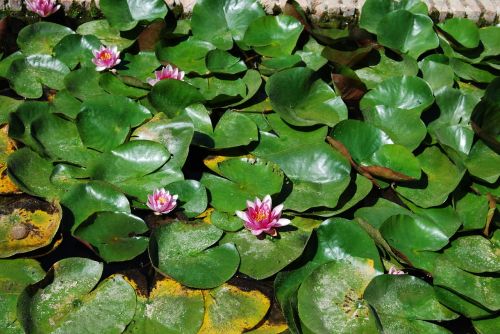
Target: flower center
{"type": "Point", "coordinates": [105, 56]}
{"type": "Point", "coordinates": [162, 200]}
{"type": "Point", "coordinates": [260, 215]}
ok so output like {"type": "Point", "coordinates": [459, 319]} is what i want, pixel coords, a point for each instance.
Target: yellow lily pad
{"type": "Point", "coordinates": [27, 223]}
{"type": "Point", "coordinates": [230, 310]}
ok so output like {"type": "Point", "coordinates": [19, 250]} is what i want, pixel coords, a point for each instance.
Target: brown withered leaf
{"type": "Point", "coordinates": [386, 173]}
{"type": "Point", "coordinates": [351, 90]}
{"type": "Point", "coordinates": [150, 36]}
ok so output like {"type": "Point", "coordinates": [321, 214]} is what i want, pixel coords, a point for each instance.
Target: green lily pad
{"type": "Point", "coordinates": [486, 116]}
{"type": "Point", "coordinates": [175, 134]}
{"type": "Point", "coordinates": [437, 72]}
{"type": "Point", "coordinates": [263, 258]}
{"type": "Point", "coordinates": [460, 305]}
{"type": "Point", "coordinates": [87, 198]}
{"type": "Point", "coordinates": [469, 72]}
{"type": "Point", "coordinates": [484, 290]}
{"type": "Point", "coordinates": [219, 91]}
{"type": "Point", "coordinates": [253, 81]}
{"type": "Point", "coordinates": [387, 68]}
{"type": "Point", "coordinates": [474, 254]}
{"type": "Point", "coordinates": [407, 32]}
{"type": "Point", "coordinates": [243, 179]}
{"type": "Point", "coordinates": [410, 234]}
{"type": "Point", "coordinates": [65, 104]}
{"type": "Point", "coordinates": [41, 37]}
{"type": "Point", "coordinates": [273, 36]}
{"type": "Point", "coordinates": [404, 303]}
{"type": "Point", "coordinates": [377, 214]}
{"type": "Point", "coordinates": [27, 223]}
{"type": "Point", "coordinates": [29, 74]}
{"type": "Point", "coordinates": [170, 308]}
{"type": "Point", "coordinates": [83, 83]}
{"type": "Point", "coordinates": [15, 276]}
{"type": "Point", "coordinates": [331, 298]}
{"type": "Point", "coordinates": [229, 309]}
{"type": "Point", "coordinates": [108, 35]}
{"type": "Point", "coordinates": [173, 96]}
{"type": "Point", "coordinates": [133, 159]}
{"type": "Point", "coordinates": [31, 173]}
{"type": "Point", "coordinates": [302, 100]}
{"type": "Point", "coordinates": [219, 61]}
{"type": "Point", "coordinates": [117, 86]}
{"type": "Point", "coordinates": [311, 54]}
{"type": "Point", "coordinates": [140, 66]}
{"type": "Point", "coordinates": [404, 92]}
{"type": "Point", "coordinates": [71, 302]}
{"type": "Point", "coordinates": [193, 263]}
{"type": "Point", "coordinates": [232, 130]}
{"type": "Point", "coordinates": [335, 237]}
{"type": "Point", "coordinates": [371, 147]}
{"type": "Point", "coordinates": [442, 178]}
{"type": "Point", "coordinates": [60, 140]}
{"type": "Point", "coordinates": [192, 196]}
{"type": "Point", "coordinates": [77, 49]}
{"type": "Point", "coordinates": [188, 55]}
{"type": "Point", "coordinates": [219, 22]}
{"type": "Point", "coordinates": [21, 120]}
{"type": "Point", "coordinates": [482, 162]}
{"type": "Point", "coordinates": [125, 14]}
{"type": "Point", "coordinates": [473, 211]}
{"type": "Point", "coordinates": [7, 106]}
{"type": "Point", "coordinates": [115, 235]}
{"type": "Point", "coordinates": [313, 167]}
{"type": "Point", "coordinates": [95, 125]}
{"type": "Point", "coordinates": [486, 326]}
{"type": "Point", "coordinates": [374, 11]}
{"type": "Point", "coordinates": [269, 66]}
{"type": "Point", "coordinates": [226, 221]}
{"type": "Point", "coordinates": [452, 128]}
{"type": "Point", "coordinates": [462, 30]}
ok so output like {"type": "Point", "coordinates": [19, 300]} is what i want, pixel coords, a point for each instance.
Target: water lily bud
{"type": "Point", "coordinates": [260, 217]}
{"type": "Point", "coordinates": [161, 201]}
{"type": "Point", "coordinates": [168, 72]}
{"type": "Point", "coordinates": [43, 8]}
{"type": "Point", "coordinates": [106, 57]}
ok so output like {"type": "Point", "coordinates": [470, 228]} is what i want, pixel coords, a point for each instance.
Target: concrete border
{"type": "Point", "coordinates": [481, 11]}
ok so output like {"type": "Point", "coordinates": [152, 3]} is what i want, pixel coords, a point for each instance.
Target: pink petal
{"type": "Point", "coordinates": [282, 222]}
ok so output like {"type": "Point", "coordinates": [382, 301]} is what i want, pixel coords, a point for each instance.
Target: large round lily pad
{"type": "Point", "coordinates": [301, 99]}
{"type": "Point", "coordinates": [404, 302]}
{"type": "Point", "coordinates": [261, 258]}
{"type": "Point", "coordinates": [244, 179]}
{"type": "Point", "coordinates": [116, 236]}
{"type": "Point", "coordinates": [331, 298]}
{"type": "Point", "coordinates": [231, 310]}
{"type": "Point", "coordinates": [219, 22]}
{"type": "Point", "coordinates": [71, 302]}
{"type": "Point", "coordinates": [170, 308]}
{"type": "Point", "coordinates": [27, 223]}
{"type": "Point", "coordinates": [182, 251]}
{"type": "Point", "coordinates": [15, 275]}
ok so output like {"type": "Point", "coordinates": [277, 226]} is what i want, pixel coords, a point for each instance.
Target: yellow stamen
{"type": "Point", "coordinates": [261, 215]}
{"type": "Point", "coordinates": [105, 56]}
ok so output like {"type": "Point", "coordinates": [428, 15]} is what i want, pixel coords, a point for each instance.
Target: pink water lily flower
{"type": "Point", "coordinates": [43, 8]}
{"type": "Point", "coordinates": [161, 201]}
{"type": "Point", "coordinates": [394, 271]}
{"type": "Point", "coordinates": [106, 57]}
{"type": "Point", "coordinates": [168, 72]}
{"type": "Point", "coordinates": [260, 217]}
